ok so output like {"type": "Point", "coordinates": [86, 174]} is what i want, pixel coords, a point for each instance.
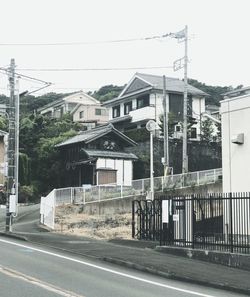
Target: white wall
{"type": "Point", "coordinates": [235, 118]}
{"type": "Point", "coordinates": [124, 169]}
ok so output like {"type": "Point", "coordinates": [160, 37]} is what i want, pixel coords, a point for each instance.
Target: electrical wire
{"type": "Point", "coordinates": [88, 42]}
{"type": "Point", "coordinates": [92, 69]}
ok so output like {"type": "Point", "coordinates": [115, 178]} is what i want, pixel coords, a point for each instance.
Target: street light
{"type": "Point", "coordinates": [151, 126]}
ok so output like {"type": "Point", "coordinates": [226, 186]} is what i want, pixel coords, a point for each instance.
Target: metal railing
{"type": "Point", "coordinates": [213, 222]}
{"type": "Point", "coordinates": [86, 195]}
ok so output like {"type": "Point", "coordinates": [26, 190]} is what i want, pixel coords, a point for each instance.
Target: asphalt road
{"type": "Point", "coordinates": [28, 270]}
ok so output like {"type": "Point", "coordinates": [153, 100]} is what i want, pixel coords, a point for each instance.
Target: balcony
{"type": "Point", "coordinates": [143, 113]}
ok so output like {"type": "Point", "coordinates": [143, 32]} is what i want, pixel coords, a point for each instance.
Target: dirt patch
{"type": "Point", "coordinates": [72, 220]}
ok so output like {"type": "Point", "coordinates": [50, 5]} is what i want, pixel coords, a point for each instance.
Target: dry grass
{"type": "Point", "coordinates": [70, 220]}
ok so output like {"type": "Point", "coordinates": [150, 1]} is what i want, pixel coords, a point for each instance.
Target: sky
{"type": "Point", "coordinates": [218, 45]}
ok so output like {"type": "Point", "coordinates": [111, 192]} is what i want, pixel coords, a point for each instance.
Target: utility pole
{"type": "Point", "coordinates": [165, 127]}
{"type": "Point", "coordinates": [11, 146]}
{"type": "Point", "coordinates": [178, 64]}
{"type": "Point", "coordinates": [185, 104]}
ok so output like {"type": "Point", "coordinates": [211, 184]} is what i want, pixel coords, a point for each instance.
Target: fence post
{"type": "Point", "coordinates": [231, 222]}
{"type": "Point", "coordinates": [193, 220]}
{"type": "Point", "coordinates": [99, 193]}
{"type": "Point", "coordinates": [84, 197]}
{"type": "Point", "coordinates": [162, 182]}
{"type": "Point", "coordinates": [214, 175]}
{"type": "Point", "coordinates": [133, 219]}
{"type": "Point", "coordinates": [71, 195]}
{"type": "Point", "coordinates": [198, 178]}
{"type": "Point", "coordinates": [121, 190]}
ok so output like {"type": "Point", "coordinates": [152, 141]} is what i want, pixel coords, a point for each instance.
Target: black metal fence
{"type": "Point", "coordinates": [215, 221]}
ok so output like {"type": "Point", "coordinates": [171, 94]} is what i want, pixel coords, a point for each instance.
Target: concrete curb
{"type": "Point", "coordinates": [173, 276]}
{"type": "Point", "coordinates": [241, 261]}
{"type": "Point", "coordinates": [14, 235]}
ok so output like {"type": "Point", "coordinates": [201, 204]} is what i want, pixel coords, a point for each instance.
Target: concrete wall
{"type": "Point", "coordinates": [235, 117]}
{"type": "Point", "coordinates": [124, 205]}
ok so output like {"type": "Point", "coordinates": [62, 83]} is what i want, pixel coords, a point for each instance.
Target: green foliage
{"type": "Point", "coordinates": [107, 92]}
{"type": "Point", "coordinates": [29, 103]}
{"type": "Point", "coordinates": [38, 137]}
{"type": "Point", "coordinates": [207, 131]}
{"type": "Point", "coordinates": [28, 194]}
{"type": "Point", "coordinates": [172, 121]}
{"type": "Point", "coordinates": [214, 91]}
{"type": "Point", "coordinates": [24, 169]}
{"type": "Point", "coordinates": [138, 135]}
{"type": "Point", "coordinates": [3, 123]}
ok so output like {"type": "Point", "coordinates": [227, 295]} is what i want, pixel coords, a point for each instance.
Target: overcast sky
{"type": "Point", "coordinates": [219, 44]}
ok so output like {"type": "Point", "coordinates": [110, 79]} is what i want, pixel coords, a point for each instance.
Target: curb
{"type": "Point", "coordinates": [173, 276]}
{"type": "Point", "coordinates": [14, 235]}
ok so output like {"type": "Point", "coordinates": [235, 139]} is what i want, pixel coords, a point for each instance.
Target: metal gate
{"type": "Point", "coordinates": [214, 221]}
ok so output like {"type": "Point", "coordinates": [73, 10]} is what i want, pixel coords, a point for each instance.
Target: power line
{"type": "Point", "coordinates": [87, 42]}
{"type": "Point", "coordinates": [92, 69]}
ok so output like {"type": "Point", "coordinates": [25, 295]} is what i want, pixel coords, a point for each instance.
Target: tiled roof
{"type": "Point", "coordinates": [172, 84]}
{"type": "Point", "coordinates": [90, 135]}
{"type": "Point", "coordinates": [110, 154]}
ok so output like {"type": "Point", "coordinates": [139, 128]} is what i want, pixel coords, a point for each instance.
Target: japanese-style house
{"type": "Point", "coordinates": [97, 157]}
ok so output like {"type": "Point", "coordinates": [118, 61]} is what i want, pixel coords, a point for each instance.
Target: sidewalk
{"type": "Point", "coordinates": [141, 255]}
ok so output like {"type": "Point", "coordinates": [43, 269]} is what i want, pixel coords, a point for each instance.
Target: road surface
{"type": "Point", "coordinates": [28, 270]}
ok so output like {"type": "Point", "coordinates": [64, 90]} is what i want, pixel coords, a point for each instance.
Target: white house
{"type": "Point", "coordinates": [235, 118]}
{"type": "Point", "coordinates": [142, 100]}
{"type": "Point", "coordinates": [84, 108]}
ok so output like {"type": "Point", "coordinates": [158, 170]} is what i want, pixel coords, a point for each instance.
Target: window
{"type": "Point", "coordinates": [81, 114]}
{"type": "Point", "coordinates": [193, 133]}
{"type": "Point", "coordinates": [143, 101]}
{"type": "Point", "coordinates": [127, 107]}
{"type": "Point", "coordinates": [98, 111]}
{"type": "Point", "coordinates": [116, 111]}
{"type": "Point", "coordinates": [178, 128]}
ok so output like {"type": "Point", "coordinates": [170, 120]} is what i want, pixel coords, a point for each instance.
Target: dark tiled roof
{"type": "Point", "coordinates": [110, 154]}
{"type": "Point", "coordinates": [173, 85]}
{"type": "Point", "coordinates": [90, 135]}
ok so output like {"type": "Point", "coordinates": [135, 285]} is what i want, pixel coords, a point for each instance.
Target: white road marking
{"type": "Point", "coordinates": [37, 282]}
{"type": "Point", "coordinates": [107, 269]}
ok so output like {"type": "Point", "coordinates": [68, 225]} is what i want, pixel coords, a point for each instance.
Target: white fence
{"type": "Point", "coordinates": [83, 195]}
{"type": "Point", "coordinates": [47, 210]}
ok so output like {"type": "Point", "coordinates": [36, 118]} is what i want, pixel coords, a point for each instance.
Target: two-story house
{"type": "Point", "coordinates": [142, 100]}
{"type": "Point", "coordinates": [84, 109]}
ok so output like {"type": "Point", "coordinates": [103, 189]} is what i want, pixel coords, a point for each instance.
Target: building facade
{"type": "Point", "coordinates": [235, 118]}
{"type": "Point", "coordinates": [97, 156]}
{"type": "Point", "coordinates": [84, 109]}
{"type": "Point", "coordinates": [142, 100]}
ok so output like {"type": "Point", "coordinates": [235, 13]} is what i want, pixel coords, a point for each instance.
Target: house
{"type": "Point", "coordinates": [235, 118]}
{"type": "Point", "coordinates": [3, 156]}
{"type": "Point", "coordinates": [97, 157]}
{"type": "Point", "coordinates": [84, 109]}
{"type": "Point", "coordinates": [236, 93]}
{"type": "Point", "coordinates": [142, 100]}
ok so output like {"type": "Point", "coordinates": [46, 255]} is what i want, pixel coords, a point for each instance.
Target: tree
{"type": "Point", "coordinates": [207, 131]}
{"type": "Point", "coordinates": [107, 92]}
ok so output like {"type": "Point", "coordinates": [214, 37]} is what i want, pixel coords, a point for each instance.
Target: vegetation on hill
{"type": "Point", "coordinates": [107, 92]}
